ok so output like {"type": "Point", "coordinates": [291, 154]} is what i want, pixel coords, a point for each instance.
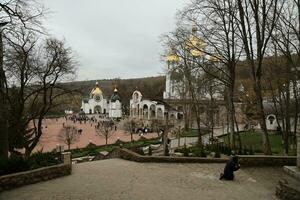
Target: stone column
{"type": "Point", "coordinates": [66, 158]}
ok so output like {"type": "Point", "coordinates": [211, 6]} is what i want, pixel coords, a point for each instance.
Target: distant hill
{"type": "Point", "coordinates": [150, 87]}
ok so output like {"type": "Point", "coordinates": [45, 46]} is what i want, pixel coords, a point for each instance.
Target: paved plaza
{"type": "Point", "coordinates": [120, 179]}
{"type": "Point", "coordinates": [52, 127]}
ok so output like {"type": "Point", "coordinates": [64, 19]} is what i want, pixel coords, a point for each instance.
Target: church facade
{"type": "Point", "coordinates": [97, 104]}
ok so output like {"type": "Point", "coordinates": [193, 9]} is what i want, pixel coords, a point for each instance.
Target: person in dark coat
{"type": "Point", "coordinates": [229, 169]}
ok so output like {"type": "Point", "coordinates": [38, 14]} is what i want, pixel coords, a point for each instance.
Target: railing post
{"type": "Point", "coordinates": [66, 158]}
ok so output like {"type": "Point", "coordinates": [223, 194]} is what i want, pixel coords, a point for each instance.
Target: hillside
{"type": "Point", "coordinates": [150, 87]}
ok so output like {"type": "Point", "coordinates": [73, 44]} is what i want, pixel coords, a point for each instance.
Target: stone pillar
{"type": "Point", "coordinates": [298, 151]}
{"type": "Point", "coordinates": [66, 158]}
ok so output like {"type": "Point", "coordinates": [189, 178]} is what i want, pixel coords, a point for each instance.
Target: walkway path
{"type": "Point", "coordinates": [120, 179]}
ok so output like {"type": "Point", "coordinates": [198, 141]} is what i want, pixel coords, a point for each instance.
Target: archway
{"type": "Point", "coordinates": [172, 117]}
{"type": "Point", "coordinates": [145, 111]}
{"type": "Point", "coordinates": [271, 119]}
{"type": "Point", "coordinates": [160, 113]}
{"type": "Point", "coordinates": [97, 109]}
{"type": "Point", "coordinates": [152, 111]}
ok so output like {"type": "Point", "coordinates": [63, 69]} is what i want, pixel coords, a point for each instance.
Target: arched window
{"type": "Point", "coordinates": [271, 119]}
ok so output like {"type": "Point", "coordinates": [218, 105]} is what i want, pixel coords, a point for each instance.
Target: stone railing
{"type": "Point", "coordinates": [262, 160]}
{"type": "Point", "coordinates": [130, 155]}
{"type": "Point", "coordinates": [41, 174]}
{"type": "Point", "coordinates": [244, 160]}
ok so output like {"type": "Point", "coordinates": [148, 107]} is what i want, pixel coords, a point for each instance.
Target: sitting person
{"type": "Point", "coordinates": [230, 167]}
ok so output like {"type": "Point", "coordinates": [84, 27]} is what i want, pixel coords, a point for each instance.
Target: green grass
{"type": "Point", "coordinates": [254, 140]}
{"type": "Point", "coordinates": [76, 153]}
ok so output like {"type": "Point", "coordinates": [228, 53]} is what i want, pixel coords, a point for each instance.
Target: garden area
{"type": "Point", "coordinates": [92, 149]}
{"type": "Point", "coordinates": [251, 144]}
{"type": "Point", "coordinates": [17, 163]}
{"type": "Point", "coordinates": [253, 141]}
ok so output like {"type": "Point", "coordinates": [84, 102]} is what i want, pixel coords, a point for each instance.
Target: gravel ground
{"type": "Point", "coordinates": [120, 179]}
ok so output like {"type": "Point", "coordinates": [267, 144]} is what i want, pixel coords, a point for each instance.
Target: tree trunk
{"type": "Point", "coordinates": [259, 100]}
{"type": "Point", "coordinates": [287, 119]}
{"type": "Point", "coordinates": [3, 107]}
{"type": "Point", "coordinates": [231, 118]}
{"type": "Point", "coordinates": [296, 111]}
{"type": "Point", "coordinates": [227, 130]}
{"type": "Point", "coordinates": [199, 131]}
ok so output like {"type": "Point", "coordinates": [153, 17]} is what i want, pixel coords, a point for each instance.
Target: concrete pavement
{"type": "Point", "coordinates": [120, 179]}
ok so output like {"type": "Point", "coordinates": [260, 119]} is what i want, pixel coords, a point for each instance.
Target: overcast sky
{"type": "Point", "coordinates": [114, 38]}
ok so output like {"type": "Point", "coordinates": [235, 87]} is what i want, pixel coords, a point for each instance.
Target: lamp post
{"type": "Point", "coordinates": [3, 103]}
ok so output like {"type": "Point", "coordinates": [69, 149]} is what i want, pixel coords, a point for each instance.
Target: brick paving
{"type": "Point", "coordinates": [52, 127]}
{"type": "Point", "coordinates": [120, 179]}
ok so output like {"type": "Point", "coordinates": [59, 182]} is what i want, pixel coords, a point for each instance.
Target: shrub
{"type": "Point", "coordinates": [218, 155]}
{"type": "Point", "coordinates": [18, 163]}
{"type": "Point", "coordinates": [203, 153]}
{"type": "Point", "coordinates": [200, 152]}
{"type": "Point", "coordinates": [229, 151]}
{"type": "Point", "coordinates": [39, 159]}
{"type": "Point", "coordinates": [13, 165]}
{"type": "Point", "coordinates": [92, 152]}
{"type": "Point", "coordinates": [251, 151]}
{"type": "Point", "coordinates": [185, 151]}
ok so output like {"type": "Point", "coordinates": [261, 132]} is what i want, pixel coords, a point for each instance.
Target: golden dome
{"type": "Point", "coordinates": [96, 91]}
{"type": "Point", "coordinates": [195, 42]}
{"type": "Point", "coordinates": [173, 58]}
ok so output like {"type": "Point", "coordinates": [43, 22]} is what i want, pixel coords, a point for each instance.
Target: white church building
{"type": "Point", "coordinates": [97, 104]}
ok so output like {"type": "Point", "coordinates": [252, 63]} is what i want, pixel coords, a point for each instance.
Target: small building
{"type": "Point", "coordinates": [98, 104]}
{"type": "Point", "coordinates": [147, 109]}
{"type": "Point", "coordinates": [115, 106]}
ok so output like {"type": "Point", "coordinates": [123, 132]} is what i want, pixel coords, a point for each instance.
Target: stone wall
{"type": "Point", "coordinates": [286, 191]}
{"type": "Point", "coordinates": [42, 174]}
{"type": "Point", "coordinates": [245, 161]}
{"type": "Point", "coordinates": [262, 160]}
{"type": "Point", "coordinates": [130, 155]}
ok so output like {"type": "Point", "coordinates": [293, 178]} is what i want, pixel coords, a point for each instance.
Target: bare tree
{"type": "Point", "coordinates": [192, 83]}
{"type": "Point", "coordinates": [256, 21]}
{"type": "Point", "coordinates": [286, 38]}
{"type": "Point", "coordinates": [130, 125]}
{"type": "Point", "coordinates": [13, 13]}
{"type": "Point", "coordinates": [216, 24]}
{"type": "Point", "coordinates": [105, 128]}
{"type": "Point", "coordinates": [69, 135]}
{"type": "Point", "coordinates": [157, 125]}
{"type": "Point", "coordinates": [37, 71]}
